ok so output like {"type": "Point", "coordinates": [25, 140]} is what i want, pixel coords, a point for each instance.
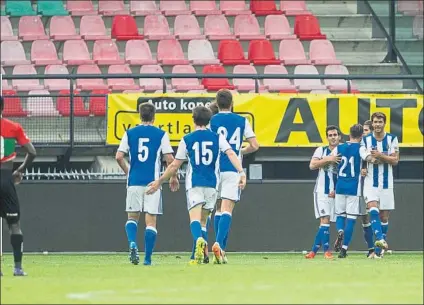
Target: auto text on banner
{"type": "Point", "coordinates": [279, 120]}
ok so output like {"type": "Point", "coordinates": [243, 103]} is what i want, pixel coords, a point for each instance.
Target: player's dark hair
{"type": "Point", "coordinates": [356, 131]}
{"type": "Point", "coordinates": [1, 103]}
{"type": "Point", "coordinates": [378, 115]}
{"type": "Point", "coordinates": [201, 116]}
{"type": "Point", "coordinates": [147, 112]}
{"type": "Point", "coordinates": [332, 127]}
{"type": "Point", "coordinates": [224, 99]}
{"type": "Point", "coordinates": [213, 107]}
{"type": "Point", "coordinates": [369, 124]}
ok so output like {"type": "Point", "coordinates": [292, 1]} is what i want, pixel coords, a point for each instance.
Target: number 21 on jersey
{"type": "Point", "coordinates": [343, 169]}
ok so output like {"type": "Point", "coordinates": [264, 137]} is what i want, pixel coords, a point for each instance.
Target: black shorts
{"type": "Point", "coordinates": [9, 203]}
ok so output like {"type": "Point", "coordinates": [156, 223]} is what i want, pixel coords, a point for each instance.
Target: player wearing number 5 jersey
{"type": "Point", "coordinates": [145, 145]}
{"type": "Point", "coordinates": [202, 149]}
{"type": "Point", "coordinates": [234, 128]}
{"type": "Point", "coordinates": [10, 134]}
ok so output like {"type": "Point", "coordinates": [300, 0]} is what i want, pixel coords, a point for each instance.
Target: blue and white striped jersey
{"type": "Point", "coordinates": [202, 149]}
{"type": "Point", "coordinates": [144, 144]}
{"type": "Point", "coordinates": [380, 175]}
{"type": "Point", "coordinates": [327, 176]}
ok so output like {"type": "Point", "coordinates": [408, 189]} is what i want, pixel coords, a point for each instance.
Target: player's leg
{"type": "Point", "coordinates": [11, 212]}
{"type": "Point", "coordinates": [387, 204]}
{"type": "Point", "coordinates": [134, 204]}
{"type": "Point", "coordinates": [366, 227]}
{"type": "Point", "coordinates": [205, 222]}
{"type": "Point", "coordinates": [340, 207]}
{"type": "Point", "coordinates": [352, 211]}
{"type": "Point", "coordinates": [152, 206]}
{"type": "Point", "coordinates": [322, 212]}
{"type": "Point", "coordinates": [195, 202]}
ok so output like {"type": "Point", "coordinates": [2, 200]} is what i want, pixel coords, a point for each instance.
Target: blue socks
{"type": "Point", "coordinates": [149, 243]}
{"type": "Point", "coordinates": [196, 229]}
{"type": "Point", "coordinates": [340, 222]}
{"type": "Point", "coordinates": [322, 237]}
{"type": "Point", "coordinates": [368, 235]}
{"type": "Point", "coordinates": [216, 220]}
{"type": "Point", "coordinates": [317, 241]}
{"type": "Point", "coordinates": [131, 229]}
{"type": "Point", "coordinates": [348, 232]}
{"type": "Point", "coordinates": [376, 223]}
{"type": "Point", "coordinates": [384, 229]}
{"type": "Point", "coordinates": [224, 227]}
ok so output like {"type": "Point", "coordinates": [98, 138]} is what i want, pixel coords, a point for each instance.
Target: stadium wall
{"type": "Point", "coordinates": [272, 216]}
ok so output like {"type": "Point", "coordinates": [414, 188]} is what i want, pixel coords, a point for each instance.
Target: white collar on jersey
{"type": "Point", "coordinates": [225, 111]}
{"type": "Point", "coordinates": [201, 128]}
{"type": "Point", "coordinates": [385, 134]}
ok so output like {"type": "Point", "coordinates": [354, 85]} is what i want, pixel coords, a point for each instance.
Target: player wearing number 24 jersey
{"type": "Point", "coordinates": [202, 150]}
{"type": "Point", "coordinates": [234, 128]}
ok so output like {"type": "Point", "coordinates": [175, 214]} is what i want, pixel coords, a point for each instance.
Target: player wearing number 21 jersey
{"type": "Point", "coordinates": [234, 128]}
{"type": "Point", "coordinates": [201, 149]}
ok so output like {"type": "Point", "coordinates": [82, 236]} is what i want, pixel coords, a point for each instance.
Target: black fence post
{"type": "Point", "coordinates": [391, 54]}
{"type": "Point", "coordinates": [71, 116]}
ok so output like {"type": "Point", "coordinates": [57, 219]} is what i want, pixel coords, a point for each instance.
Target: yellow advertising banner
{"type": "Point", "coordinates": [279, 120]}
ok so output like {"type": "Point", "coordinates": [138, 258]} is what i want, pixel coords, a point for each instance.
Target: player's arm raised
{"type": "Point", "coordinates": [31, 153]}
{"type": "Point", "coordinates": [120, 154]}
{"type": "Point", "coordinates": [225, 147]}
{"type": "Point", "coordinates": [251, 139]}
{"type": "Point", "coordinates": [318, 162]}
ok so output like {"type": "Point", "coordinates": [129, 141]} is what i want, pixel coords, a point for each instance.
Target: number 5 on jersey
{"type": "Point", "coordinates": [143, 150]}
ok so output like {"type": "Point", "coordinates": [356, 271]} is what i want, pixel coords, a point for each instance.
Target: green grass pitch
{"type": "Point", "coordinates": [249, 278]}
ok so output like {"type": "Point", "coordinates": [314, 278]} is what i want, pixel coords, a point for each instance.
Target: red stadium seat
{"type": "Point", "coordinates": [156, 27]}
{"type": "Point", "coordinates": [294, 7]}
{"type": "Point", "coordinates": [25, 84]}
{"type": "Point", "coordinates": [185, 84]}
{"type": "Point", "coordinates": [137, 52]}
{"type": "Point", "coordinates": [262, 53]}
{"type": "Point", "coordinates": [63, 104]}
{"type": "Point", "coordinates": [321, 52]}
{"type": "Point", "coordinates": [264, 8]}
{"type": "Point", "coordinates": [12, 104]}
{"type": "Point", "coordinates": [215, 84]}
{"type": "Point", "coordinates": [12, 53]}
{"type": "Point", "coordinates": [200, 52]}
{"type": "Point", "coordinates": [217, 28]}
{"type": "Point", "coordinates": [75, 52]}
{"type": "Point", "coordinates": [112, 8]}
{"type": "Point", "coordinates": [292, 53]}
{"type": "Point", "coordinates": [308, 84]}
{"type": "Point", "coordinates": [97, 105]}
{"type": "Point", "coordinates": [186, 27]}
{"type": "Point", "coordinates": [245, 84]}
{"type": "Point", "coordinates": [204, 7]}
{"type": "Point", "coordinates": [277, 27]}
{"type": "Point", "coordinates": [171, 53]}
{"type": "Point", "coordinates": [119, 84]}
{"type": "Point", "coordinates": [80, 7]}
{"type": "Point", "coordinates": [278, 85]}
{"type": "Point", "coordinates": [93, 28]}
{"type": "Point", "coordinates": [4, 83]}
{"type": "Point", "coordinates": [43, 52]}
{"type": "Point", "coordinates": [105, 52]}
{"type": "Point", "coordinates": [63, 28]}
{"type": "Point", "coordinates": [306, 27]}
{"type": "Point", "coordinates": [151, 84]}
{"type": "Point", "coordinates": [31, 28]}
{"type": "Point", "coordinates": [90, 84]}
{"type": "Point", "coordinates": [56, 84]}
{"type": "Point", "coordinates": [6, 29]}
{"type": "Point", "coordinates": [125, 28]}
{"type": "Point", "coordinates": [246, 27]}
{"type": "Point", "coordinates": [234, 8]}
{"type": "Point", "coordinates": [143, 8]}
{"type": "Point", "coordinates": [173, 8]}
{"type": "Point", "coordinates": [230, 52]}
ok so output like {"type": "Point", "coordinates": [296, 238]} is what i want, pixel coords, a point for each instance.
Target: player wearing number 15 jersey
{"type": "Point", "coordinates": [202, 149]}
{"type": "Point", "coordinates": [145, 145]}
{"type": "Point", "coordinates": [234, 128]}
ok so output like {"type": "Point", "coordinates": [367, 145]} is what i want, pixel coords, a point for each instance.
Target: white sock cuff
{"type": "Point", "coordinates": [204, 229]}
{"type": "Point", "coordinates": [218, 213]}
{"type": "Point", "coordinates": [226, 213]}
{"type": "Point", "coordinates": [374, 209]}
{"type": "Point", "coordinates": [132, 221]}
{"type": "Point", "coordinates": [152, 229]}
{"type": "Point", "coordinates": [195, 221]}
{"type": "Point", "coordinates": [325, 225]}
{"type": "Point", "coordinates": [385, 223]}
{"type": "Point", "coordinates": [366, 225]}
{"type": "Point", "coordinates": [342, 215]}
{"type": "Point", "coordinates": [352, 216]}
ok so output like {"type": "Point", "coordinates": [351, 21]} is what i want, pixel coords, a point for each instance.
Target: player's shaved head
{"type": "Point", "coordinates": [213, 107]}
{"type": "Point", "coordinates": [224, 99]}
{"type": "Point", "coordinates": [147, 112]}
{"type": "Point", "coordinates": [201, 116]}
{"type": "Point", "coordinates": [356, 131]}
{"type": "Point", "coordinates": [1, 104]}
